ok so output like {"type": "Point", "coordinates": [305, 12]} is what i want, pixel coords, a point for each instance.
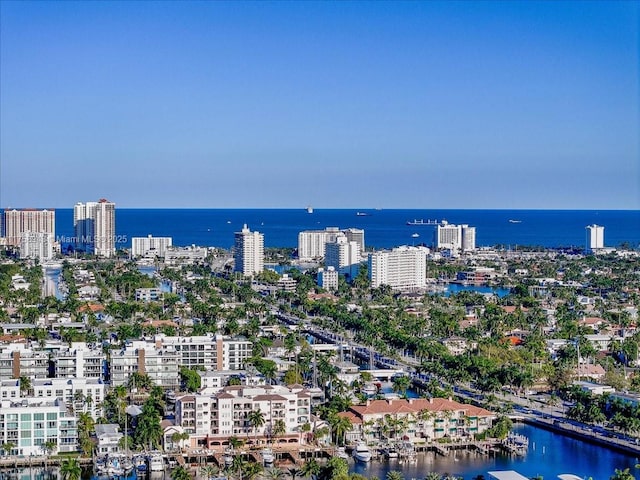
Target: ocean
{"type": "Point", "coordinates": [383, 228]}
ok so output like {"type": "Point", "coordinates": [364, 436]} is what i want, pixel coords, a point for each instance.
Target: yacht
{"type": "Point", "coordinates": [267, 456]}
{"type": "Point", "coordinates": [228, 457]}
{"type": "Point", "coordinates": [340, 453]}
{"type": "Point", "coordinates": [362, 453]}
{"type": "Point", "coordinates": [156, 462]}
{"type": "Point", "coordinates": [370, 389]}
{"type": "Point", "coordinates": [391, 452]}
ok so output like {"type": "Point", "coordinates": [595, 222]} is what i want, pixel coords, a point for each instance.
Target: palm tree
{"type": "Point", "coordinates": [209, 471]}
{"type": "Point", "coordinates": [252, 470]}
{"type": "Point", "coordinates": [180, 473]}
{"type": "Point", "coordinates": [25, 385]}
{"type": "Point", "coordinates": [401, 384]}
{"type": "Point", "coordinates": [256, 418]}
{"type": "Point", "coordinates": [7, 447]}
{"type": "Point", "coordinates": [274, 474]}
{"type": "Point", "coordinates": [279, 428]}
{"type": "Point", "coordinates": [339, 426]}
{"type": "Point", "coordinates": [394, 475]}
{"type": "Point", "coordinates": [70, 469]}
{"type": "Point", "coordinates": [294, 472]}
{"type": "Point", "coordinates": [310, 468]}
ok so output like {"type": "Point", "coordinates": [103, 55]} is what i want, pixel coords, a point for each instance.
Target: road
{"type": "Point", "coordinates": [534, 408]}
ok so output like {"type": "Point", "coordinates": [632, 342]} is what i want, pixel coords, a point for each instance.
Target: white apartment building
{"type": "Point", "coordinates": [311, 243]}
{"type": "Point", "coordinates": [342, 255]}
{"type": "Point", "coordinates": [18, 222]}
{"type": "Point", "coordinates": [37, 245]}
{"type": "Point", "coordinates": [595, 237]}
{"type": "Point", "coordinates": [212, 419]}
{"type": "Point", "coordinates": [162, 357]}
{"type": "Point", "coordinates": [468, 238]}
{"type": "Point", "coordinates": [328, 278]}
{"type": "Point", "coordinates": [148, 294]}
{"type": "Point", "coordinates": [248, 252]}
{"type": "Point", "coordinates": [150, 246]}
{"type": "Point", "coordinates": [30, 423]}
{"type": "Point", "coordinates": [95, 227]}
{"type": "Point", "coordinates": [455, 237]}
{"type": "Point", "coordinates": [402, 268]}
{"type": "Point", "coordinates": [81, 394]}
{"type": "Point", "coordinates": [184, 255]}
{"type": "Point", "coordinates": [57, 359]}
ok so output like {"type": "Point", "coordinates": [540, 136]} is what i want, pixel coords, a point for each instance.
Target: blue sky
{"type": "Point", "coordinates": [333, 104]}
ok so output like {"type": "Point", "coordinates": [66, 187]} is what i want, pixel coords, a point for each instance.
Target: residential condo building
{"type": "Point", "coordinates": [95, 227]}
{"type": "Point", "coordinates": [30, 222]}
{"type": "Point", "coordinates": [248, 251]}
{"type": "Point", "coordinates": [311, 243]}
{"type": "Point", "coordinates": [595, 237]}
{"type": "Point", "coordinates": [150, 246]}
{"type": "Point", "coordinates": [403, 268]}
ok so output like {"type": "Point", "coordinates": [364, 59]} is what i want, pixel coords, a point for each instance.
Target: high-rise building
{"type": "Point", "coordinates": [401, 268]}
{"type": "Point", "coordinates": [595, 237]}
{"type": "Point", "coordinates": [342, 255]}
{"type": "Point", "coordinates": [84, 215]}
{"type": "Point", "coordinates": [311, 243]}
{"type": "Point", "coordinates": [37, 246]}
{"type": "Point", "coordinates": [141, 246]}
{"type": "Point", "coordinates": [248, 251]}
{"type": "Point", "coordinates": [18, 222]}
{"type": "Point", "coordinates": [468, 238]}
{"type": "Point", "coordinates": [95, 227]}
{"type": "Point", "coordinates": [448, 236]}
{"type": "Point", "coordinates": [455, 237]}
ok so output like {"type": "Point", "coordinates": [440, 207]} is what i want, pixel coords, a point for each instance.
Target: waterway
{"type": "Point", "coordinates": [549, 455]}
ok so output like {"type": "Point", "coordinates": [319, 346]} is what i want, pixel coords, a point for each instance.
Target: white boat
{"type": "Point", "coordinates": [391, 453]}
{"type": "Point", "coordinates": [309, 209]}
{"type": "Point", "coordinates": [340, 453]}
{"type": "Point", "coordinates": [156, 462]}
{"type": "Point", "coordinates": [361, 453]}
{"type": "Point", "coordinates": [267, 456]}
{"type": "Point", "coordinates": [370, 388]}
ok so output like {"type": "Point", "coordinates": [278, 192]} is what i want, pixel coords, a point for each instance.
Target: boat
{"type": "Point", "coordinates": [391, 453]}
{"type": "Point", "coordinates": [370, 388]}
{"type": "Point", "coordinates": [309, 209]}
{"type": "Point", "coordinates": [362, 214]}
{"type": "Point", "coordinates": [515, 221]}
{"type": "Point", "coordinates": [156, 462]}
{"type": "Point", "coordinates": [415, 235]}
{"type": "Point", "coordinates": [420, 221]}
{"type": "Point", "coordinates": [361, 453]}
{"type": "Point", "coordinates": [228, 457]}
{"type": "Point", "coordinates": [267, 456]}
{"type": "Point", "coordinates": [341, 453]}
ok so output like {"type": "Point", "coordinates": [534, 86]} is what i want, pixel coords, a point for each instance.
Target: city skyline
{"type": "Point", "coordinates": [473, 105]}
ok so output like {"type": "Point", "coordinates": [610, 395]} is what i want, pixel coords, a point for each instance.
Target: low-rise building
{"type": "Point", "coordinates": [426, 420]}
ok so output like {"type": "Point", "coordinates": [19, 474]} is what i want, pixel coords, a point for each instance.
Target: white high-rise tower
{"type": "Point", "coordinates": [595, 237]}
{"type": "Point", "coordinates": [95, 227]}
{"type": "Point", "coordinates": [248, 251]}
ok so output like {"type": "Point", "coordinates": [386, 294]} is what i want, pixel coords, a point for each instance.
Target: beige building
{"type": "Point", "coordinates": [415, 420]}
{"type": "Point", "coordinates": [212, 419]}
